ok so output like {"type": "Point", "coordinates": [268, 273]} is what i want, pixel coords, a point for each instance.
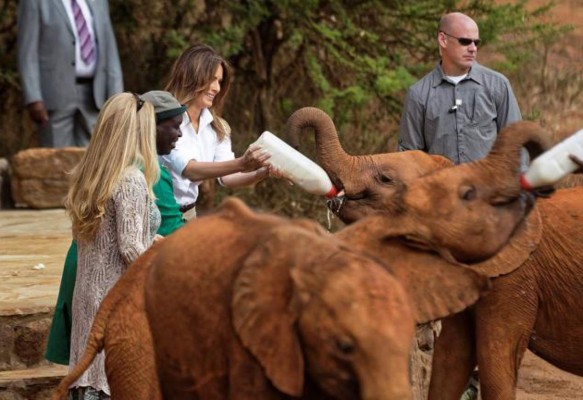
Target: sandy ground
{"type": "Point", "coordinates": [539, 380]}
{"type": "Point", "coordinates": [33, 245]}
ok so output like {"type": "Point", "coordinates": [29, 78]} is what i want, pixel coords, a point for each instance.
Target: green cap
{"type": "Point", "coordinates": [165, 105]}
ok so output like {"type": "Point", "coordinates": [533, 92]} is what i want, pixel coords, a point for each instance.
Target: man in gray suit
{"type": "Point", "coordinates": [69, 66]}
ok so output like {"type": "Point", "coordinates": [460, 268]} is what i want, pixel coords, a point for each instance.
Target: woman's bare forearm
{"type": "Point", "coordinates": [198, 171]}
{"type": "Point", "coordinates": [242, 179]}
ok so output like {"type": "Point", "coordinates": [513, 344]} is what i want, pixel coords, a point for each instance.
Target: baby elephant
{"type": "Point", "coordinates": [253, 306]}
{"type": "Point", "coordinates": [278, 307]}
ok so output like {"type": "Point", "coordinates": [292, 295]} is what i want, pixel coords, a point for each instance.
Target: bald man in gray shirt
{"type": "Point", "coordinates": [458, 108]}
{"type": "Point", "coordinates": [457, 111]}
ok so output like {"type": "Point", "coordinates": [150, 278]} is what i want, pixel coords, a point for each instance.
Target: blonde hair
{"type": "Point", "coordinates": [191, 75]}
{"type": "Point", "coordinates": [124, 136]}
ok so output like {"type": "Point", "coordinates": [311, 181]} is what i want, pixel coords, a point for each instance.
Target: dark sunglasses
{"type": "Point", "coordinates": [464, 41]}
{"type": "Point", "coordinates": [139, 101]}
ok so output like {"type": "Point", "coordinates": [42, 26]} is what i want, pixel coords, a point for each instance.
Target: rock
{"type": "Point", "coordinates": [420, 372]}
{"type": "Point", "coordinates": [23, 339]}
{"type": "Point", "coordinates": [46, 163]}
{"type": "Point", "coordinates": [421, 358]}
{"type": "Point", "coordinates": [6, 343]}
{"type": "Point", "coordinates": [39, 193]}
{"type": "Point", "coordinates": [32, 383]}
{"type": "Point", "coordinates": [30, 341]}
{"type": "Point", "coordinates": [40, 176]}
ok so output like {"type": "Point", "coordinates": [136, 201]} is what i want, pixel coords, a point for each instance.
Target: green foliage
{"type": "Point", "coordinates": [391, 82]}
{"type": "Point", "coordinates": [534, 58]}
{"type": "Point", "coordinates": [13, 125]}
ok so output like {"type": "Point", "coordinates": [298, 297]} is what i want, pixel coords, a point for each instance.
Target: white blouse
{"type": "Point", "coordinates": [201, 146]}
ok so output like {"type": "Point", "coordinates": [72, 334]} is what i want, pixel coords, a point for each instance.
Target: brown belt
{"type": "Point", "coordinates": [187, 207]}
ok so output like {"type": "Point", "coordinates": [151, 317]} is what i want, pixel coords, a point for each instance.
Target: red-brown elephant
{"type": "Point", "coordinates": [538, 275]}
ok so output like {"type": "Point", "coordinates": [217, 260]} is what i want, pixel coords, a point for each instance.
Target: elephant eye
{"type": "Point", "coordinates": [386, 179]}
{"type": "Point", "coordinates": [468, 193]}
{"type": "Point", "coordinates": [346, 346]}
{"type": "Point", "coordinates": [357, 196]}
{"type": "Point", "coordinates": [415, 242]}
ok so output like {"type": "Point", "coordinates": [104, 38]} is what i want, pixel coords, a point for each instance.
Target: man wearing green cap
{"type": "Point", "coordinates": [168, 119]}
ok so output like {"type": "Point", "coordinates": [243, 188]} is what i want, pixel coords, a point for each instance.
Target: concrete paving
{"type": "Point", "coordinates": [33, 245]}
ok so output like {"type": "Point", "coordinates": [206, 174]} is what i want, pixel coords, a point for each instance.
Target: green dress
{"type": "Point", "coordinates": [59, 341]}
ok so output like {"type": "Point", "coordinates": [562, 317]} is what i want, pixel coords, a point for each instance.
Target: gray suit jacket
{"type": "Point", "coordinates": [46, 53]}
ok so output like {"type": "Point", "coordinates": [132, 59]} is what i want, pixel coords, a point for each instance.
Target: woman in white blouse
{"type": "Point", "coordinates": [200, 79]}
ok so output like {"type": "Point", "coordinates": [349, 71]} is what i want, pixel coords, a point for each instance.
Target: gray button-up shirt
{"type": "Point", "coordinates": [430, 122]}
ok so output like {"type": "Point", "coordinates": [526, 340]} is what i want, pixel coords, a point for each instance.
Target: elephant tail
{"type": "Point", "coordinates": [96, 339]}
{"type": "Point", "coordinates": [95, 344]}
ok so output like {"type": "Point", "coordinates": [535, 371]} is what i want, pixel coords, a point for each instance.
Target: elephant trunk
{"type": "Point", "coordinates": [504, 160]}
{"type": "Point", "coordinates": [382, 369]}
{"type": "Point", "coordinates": [385, 387]}
{"type": "Point", "coordinates": [330, 153]}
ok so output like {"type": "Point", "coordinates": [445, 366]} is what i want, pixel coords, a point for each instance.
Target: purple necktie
{"type": "Point", "coordinates": [87, 48]}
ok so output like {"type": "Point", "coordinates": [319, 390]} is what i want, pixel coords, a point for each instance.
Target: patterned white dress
{"type": "Point", "coordinates": [128, 228]}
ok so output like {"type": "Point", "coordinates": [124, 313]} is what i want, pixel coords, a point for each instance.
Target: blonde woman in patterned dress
{"type": "Point", "coordinates": [111, 205]}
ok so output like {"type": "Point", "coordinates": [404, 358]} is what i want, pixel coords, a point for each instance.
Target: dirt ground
{"type": "Point", "coordinates": [539, 380]}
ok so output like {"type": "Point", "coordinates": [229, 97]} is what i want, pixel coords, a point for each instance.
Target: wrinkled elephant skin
{"type": "Point", "coordinates": [261, 307]}
{"type": "Point", "coordinates": [369, 182]}
{"type": "Point", "coordinates": [236, 313]}
{"type": "Point", "coordinates": [537, 306]}
{"type": "Point", "coordinates": [232, 249]}
{"type": "Point", "coordinates": [537, 265]}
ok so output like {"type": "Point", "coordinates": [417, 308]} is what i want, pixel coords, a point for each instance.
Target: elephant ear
{"type": "Point", "coordinates": [264, 312]}
{"type": "Point", "coordinates": [437, 285]}
{"type": "Point", "coordinates": [524, 241]}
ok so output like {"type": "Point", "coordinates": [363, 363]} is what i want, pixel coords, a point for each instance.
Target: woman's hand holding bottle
{"type": "Point", "coordinates": [254, 158]}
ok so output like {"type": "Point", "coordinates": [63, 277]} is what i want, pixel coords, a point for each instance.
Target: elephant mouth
{"type": "Point", "coordinates": [525, 199]}
{"type": "Point", "coordinates": [335, 204]}
{"type": "Point", "coordinates": [529, 200]}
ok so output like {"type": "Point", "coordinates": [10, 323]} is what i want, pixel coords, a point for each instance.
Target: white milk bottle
{"type": "Point", "coordinates": [554, 164]}
{"type": "Point", "coordinates": [296, 167]}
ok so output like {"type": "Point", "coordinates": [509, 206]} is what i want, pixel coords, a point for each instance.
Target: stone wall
{"type": "Point", "coordinates": [24, 373]}
{"type": "Point", "coordinates": [40, 176]}
{"type": "Point", "coordinates": [23, 340]}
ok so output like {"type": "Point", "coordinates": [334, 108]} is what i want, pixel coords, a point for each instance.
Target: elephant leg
{"type": "Point", "coordinates": [129, 361]}
{"type": "Point", "coordinates": [129, 353]}
{"type": "Point", "coordinates": [504, 322]}
{"type": "Point", "coordinates": [454, 357]}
